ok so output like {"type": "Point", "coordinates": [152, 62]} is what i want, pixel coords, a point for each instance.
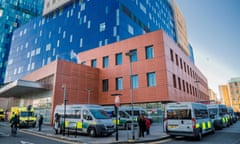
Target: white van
{"type": "Point", "coordinates": [88, 119]}
{"type": "Point", "coordinates": [136, 112]}
{"type": "Point", "coordinates": [125, 119]}
{"type": "Point", "coordinates": [219, 115]}
{"type": "Point", "coordinates": [187, 119]}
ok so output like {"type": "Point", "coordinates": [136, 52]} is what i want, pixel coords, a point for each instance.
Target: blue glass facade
{"type": "Point", "coordinates": [81, 26]}
{"type": "Point", "coordinates": [191, 56]}
{"type": "Point", "coordinates": [13, 14]}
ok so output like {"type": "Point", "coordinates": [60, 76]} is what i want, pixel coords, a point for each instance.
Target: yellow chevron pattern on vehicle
{"type": "Point", "coordinates": [209, 124]}
{"type": "Point", "coordinates": [79, 125]}
{"type": "Point", "coordinates": [116, 121]}
{"type": "Point", "coordinates": [203, 125]}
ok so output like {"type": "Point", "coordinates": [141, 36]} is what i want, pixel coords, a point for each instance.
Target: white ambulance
{"type": "Point", "coordinates": [187, 119]}
{"type": "Point", "coordinates": [85, 118]}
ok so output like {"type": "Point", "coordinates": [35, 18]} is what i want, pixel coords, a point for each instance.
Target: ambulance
{"type": "Point", "coordinates": [85, 118]}
{"type": "Point", "coordinates": [2, 116]}
{"type": "Point", "coordinates": [125, 119]}
{"type": "Point", "coordinates": [219, 115]}
{"type": "Point", "coordinates": [26, 115]}
{"type": "Point", "coordinates": [187, 119]}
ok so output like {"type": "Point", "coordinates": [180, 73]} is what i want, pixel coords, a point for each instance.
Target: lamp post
{"type": "Point", "coordinates": [130, 54]}
{"type": "Point", "coordinates": [117, 104]}
{"type": "Point", "coordinates": [64, 102]}
{"type": "Point", "coordinates": [89, 92]}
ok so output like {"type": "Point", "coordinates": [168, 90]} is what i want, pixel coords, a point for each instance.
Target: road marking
{"type": "Point", "coordinates": [50, 138]}
{"type": "Point", "coordinates": [4, 134]}
{"type": "Point", "coordinates": [24, 142]}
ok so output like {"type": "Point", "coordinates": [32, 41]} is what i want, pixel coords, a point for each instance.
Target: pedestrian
{"type": "Point", "coordinates": [40, 122]}
{"type": "Point", "coordinates": [14, 123]}
{"type": "Point", "coordinates": [148, 124]}
{"type": "Point", "coordinates": [56, 122]}
{"type": "Point", "coordinates": [142, 125]}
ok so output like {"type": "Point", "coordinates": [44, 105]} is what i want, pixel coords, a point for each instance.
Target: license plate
{"type": "Point", "coordinates": [172, 126]}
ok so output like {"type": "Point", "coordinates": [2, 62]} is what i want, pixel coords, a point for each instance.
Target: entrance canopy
{"type": "Point", "coordinates": [21, 87]}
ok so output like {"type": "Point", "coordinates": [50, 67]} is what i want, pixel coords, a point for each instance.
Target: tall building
{"type": "Point", "coordinates": [224, 94]}
{"type": "Point", "coordinates": [74, 26]}
{"type": "Point", "coordinates": [213, 96]}
{"type": "Point", "coordinates": [94, 47]}
{"type": "Point", "coordinates": [234, 91]}
{"type": "Point", "coordinates": [13, 14]}
{"type": "Point", "coordinates": [181, 29]}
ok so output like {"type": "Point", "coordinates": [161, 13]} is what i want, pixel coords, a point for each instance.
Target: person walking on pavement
{"type": "Point", "coordinates": [56, 122]}
{"type": "Point", "coordinates": [40, 122]}
{"type": "Point", "coordinates": [142, 125]}
{"type": "Point", "coordinates": [14, 123]}
{"type": "Point", "coordinates": [148, 124]}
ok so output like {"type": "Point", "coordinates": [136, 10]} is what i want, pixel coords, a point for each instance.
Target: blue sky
{"type": "Point", "coordinates": [213, 28]}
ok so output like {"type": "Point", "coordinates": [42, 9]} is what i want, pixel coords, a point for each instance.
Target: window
{"type": "Point", "coordinates": [48, 47]}
{"type": "Point", "coordinates": [151, 79]}
{"type": "Point", "coordinates": [184, 66]}
{"type": "Point", "coordinates": [130, 29]}
{"type": "Point", "coordinates": [201, 113]}
{"type": "Point", "coordinates": [134, 79]}
{"type": "Point", "coordinates": [105, 62]}
{"type": "Point", "coordinates": [119, 83]}
{"type": "Point", "coordinates": [183, 85]}
{"type": "Point", "coordinates": [105, 85]}
{"type": "Point", "coordinates": [174, 81]}
{"type": "Point", "coordinates": [179, 83]}
{"type": "Point", "coordinates": [89, 24]}
{"type": "Point", "coordinates": [94, 63]}
{"type": "Point", "coordinates": [102, 27]}
{"type": "Point", "coordinates": [181, 63]}
{"type": "Point", "coordinates": [149, 52]}
{"type": "Point", "coordinates": [133, 57]}
{"type": "Point", "coordinates": [176, 56]}
{"type": "Point", "coordinates": [179, 114]}
{"type": "Point", "coordinates": [119, 59]}
{"type": "Point", "coordinates": [171, 54]}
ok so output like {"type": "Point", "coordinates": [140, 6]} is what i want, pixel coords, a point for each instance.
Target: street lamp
{"type": "Point", "coordinates": [89, 92]}
{"type": "Point", "coordinates": [117, 104]}
{"type": "Point", "coordinates": [130, 54]}
{"type": "Point", "coordinates": [64, 102]}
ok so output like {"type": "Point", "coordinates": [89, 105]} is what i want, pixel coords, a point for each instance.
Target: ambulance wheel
{"type": "Point", "coordinates": [199, 136]}
{"type": "Point", "coordinates": [92, 132]}
{"type": "Point", "coordinates": [213, 131]}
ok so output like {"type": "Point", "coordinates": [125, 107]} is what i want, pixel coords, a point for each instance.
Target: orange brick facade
{"type": "Point", "coordinates": [168, 60]}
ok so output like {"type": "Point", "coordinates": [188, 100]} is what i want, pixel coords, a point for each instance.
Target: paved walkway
{"type": "Point", "coordinates": [124, 136]}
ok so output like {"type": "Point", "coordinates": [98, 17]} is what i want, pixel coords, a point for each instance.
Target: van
{"type": "Point", "coordinates": [136, 112]}
{"type": "Point", "coordinates": [219, 115]}
{"type": "Point", "coordinates": [232, 115]}
{"type": "Point", "coordinates": [125, 119]}
{"type": "Point", "coordinates": [187, 119]}
{"type": "Point", "coordinates": [84, 118]}
{"type": "Point", "coordinates": [2, 115]}
{"type": "Point", "coordinates": [26, 115]}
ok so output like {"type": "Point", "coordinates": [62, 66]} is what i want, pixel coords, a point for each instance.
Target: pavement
{"type": "Point", "coordinates": [124, 136]}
